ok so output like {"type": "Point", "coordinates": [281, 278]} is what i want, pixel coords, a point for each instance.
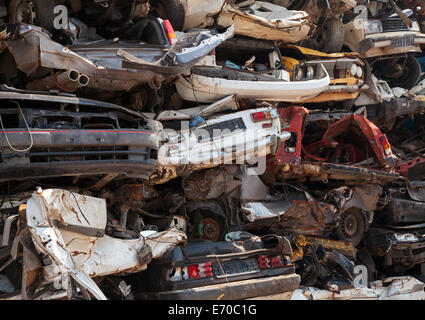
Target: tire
{"type": "Point", "coordinates": [331, 37]}
{"type": "Point", "coordinates": [411, 74]}
{"type": "Point", "coordinates": [352, 226]}
{"type": "Point", "coordinates": [367, 71]}
{"type": "Point", "coordinates": [172, 10]}
{"type": "Point", "coordinates": [43, 9]}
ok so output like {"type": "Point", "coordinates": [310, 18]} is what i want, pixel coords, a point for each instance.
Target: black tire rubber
{"type": "Point", "coordinates": [357, 237]}
{"type": "Point", "coordinates": [411, 75]}
{"type": "Point", "coordinates": [44, 15]}
{"type": "Point", "coordinates": [332, 38]}
{"type": "Point", "coordinates": [367, 71]}
{"type": "Point", "coordinates": [172, 10]}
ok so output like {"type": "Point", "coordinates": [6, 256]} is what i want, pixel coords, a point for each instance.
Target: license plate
{"type": "Point", "coordinates": [403, 42]}
{"type": "Point", "coordinates": [235, 268]}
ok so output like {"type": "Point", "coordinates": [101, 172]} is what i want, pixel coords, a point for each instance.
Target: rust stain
{"type": "Point", "coordinates": [67, 244]}
{"type": "Point", "coordinates": [76, 253]}
{"type": "Point", "coordinates": [76, 213]}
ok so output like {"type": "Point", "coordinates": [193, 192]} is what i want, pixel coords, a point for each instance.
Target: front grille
{"type": "Point", "coordinates": [393, 24]}
{"type": "Point", "coordinates": [336, 68]}
{"type": "Point", "coordinates": [86, 153]}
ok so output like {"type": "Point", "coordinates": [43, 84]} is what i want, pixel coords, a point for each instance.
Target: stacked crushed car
{"type": "Point", "coordinates": [188, 149]}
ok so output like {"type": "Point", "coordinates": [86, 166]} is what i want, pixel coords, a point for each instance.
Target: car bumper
{"type": "Point", "coordinates": [391, 43]}
{"type": "Point", "coordinates": [337, 93]}
{"type": "Point", "coordinates": [237, 290]}
{"type": "Point", "coordinates": [399, 255]}
{"type": "Point", "coordinates": [214, 153]}
{"type": "Point", "coordinates": [209, 89]}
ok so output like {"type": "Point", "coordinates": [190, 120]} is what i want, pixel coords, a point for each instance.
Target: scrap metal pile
{"type": "Point", "coordinates": [221, 149]}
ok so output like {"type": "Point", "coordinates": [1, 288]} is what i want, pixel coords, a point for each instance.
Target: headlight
{"type": "Point", "coordinates": [299, 74]}
{"type": "Point", "coordinates": [405, 237]}
{"type": "Point", "coordinates": [353, 70]}
{"type": "Point", "coordinates": [359, 72]}
{"type": "Point", "coordinates": [372, 26]}
{"type": "Point", "coordinates": [306, 72]}
{"type": "Point", "coordinates": [356, 71]}
{"type": "Point", "coordinates": [415, 26]}
{"type": "Point", "coordinates": [310, 73]}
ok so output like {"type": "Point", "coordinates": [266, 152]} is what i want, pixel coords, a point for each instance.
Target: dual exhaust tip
{"type": "Point", "coordinates": [75, 76]}
{"type": "Point", "coordinates": [68, 81]}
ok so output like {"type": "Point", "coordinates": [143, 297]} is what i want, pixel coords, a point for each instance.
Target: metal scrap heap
{"type": "Point", "coordinates": [189, 149]}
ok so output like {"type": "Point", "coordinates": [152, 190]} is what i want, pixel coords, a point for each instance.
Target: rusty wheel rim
{"type": "Point", "coordinates": [350, 225]}
{"type": "Point", "coordinates": [210, 229]}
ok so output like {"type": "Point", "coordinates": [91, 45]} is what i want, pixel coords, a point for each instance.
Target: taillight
{"type": "Point", "coordinates": [170, 32]}
{"type": "Point", "coordinates": [264, 115]}
{"type": "Point", "coordinates": [201, 270]}
{"type": "Point", "coordinates": [385, 144]}
{"type": "Point", "coordinates": [269, 262]}
{"type": "Point", "coordinates": [258, 116]}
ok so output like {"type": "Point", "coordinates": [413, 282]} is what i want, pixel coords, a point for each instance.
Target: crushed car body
{"type": "Point", "coordinates": [259, 74]}
{"type": "Point", "coordinates": [346, 71]}
{"type": "Point", "coordinates": [76, 244]}
{"type": "Point", "coordinates": [238, 137]}
{"type": "Point", "coordinates": [68, 136]}
{"type": "Point", "coordinates": [259, 19]}
{"type": "Point", "coordinates": [104, 65]}
{"type": "Point", "coordinates": [241, 269]}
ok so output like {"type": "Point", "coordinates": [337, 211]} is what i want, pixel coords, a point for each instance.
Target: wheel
{"type": "Point", "coordinates": [331, 37]}
{"type": "Point", "coordinates": [172, 10]}
{"type": "Point", "coordinates": [351, 227]}
{"type": "Point", "coordinates": [212, 227]}
{"type": "Point", "coordinates": [367, 68]}
{"type": "Point", "coordinates": [411, 74]}
{"type": "Point", "coordinates": [208, 220]}
{"type": "Point", "coordinates": [35, 12]}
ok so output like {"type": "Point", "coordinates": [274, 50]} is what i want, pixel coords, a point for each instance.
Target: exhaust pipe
{"type": "Point", "coordinates": [83, 80]}
{"type": "Point", "coordinates": [68, 81]}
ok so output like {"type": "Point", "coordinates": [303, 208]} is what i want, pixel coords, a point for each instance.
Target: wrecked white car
{"type": "Point", "coordinates": [255, 19]}
{"type": "Point", "coordinates": [65, 246]}
{"type": "Point", "coordinates": [243, 136]}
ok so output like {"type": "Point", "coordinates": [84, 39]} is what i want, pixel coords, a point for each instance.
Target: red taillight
{"type": "Point", "coordinates": [259, 116]}
{"type": "Point", "coordinates": [267, 125]}
{"type": "Point", "coordinates": [269, 262]}
{"type": "Point", "coordinates": [385, 144]}
{"type": "Point", "coordinates": [170, 32]}
{"type": "Point", "coordinates": [201, 270]}
{"type": "Point", "coordinates": [262, 262]}
{"type": "Point", "coordinates": [263, 115]}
